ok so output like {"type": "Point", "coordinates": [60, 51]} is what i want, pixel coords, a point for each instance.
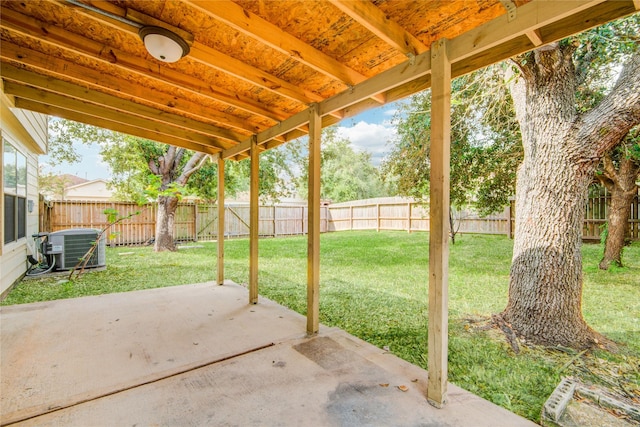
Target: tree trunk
{"type": "Point", "coordinates": [622, 184]}
{"type": "Point", "coordinates": [171, 172]}
{"type": "Point", "coordinates": [165, 221]}
{"type": "Point", "coordinates": [561, 153]}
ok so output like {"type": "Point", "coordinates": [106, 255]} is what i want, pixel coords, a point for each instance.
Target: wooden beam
{"type": "Point", "coordinates": [52, 84]}
{"type": "Point", "coordinates": [530, 16]}
{"type": "Point", "coordinates": [67, 70]}
{"type": "Point", "coordinates": [373, 19]}
{"type": "Point", "coordinates": [206, 55]}
{"type": "Point", "coordinates": [293, 122]}
{"type": "Point", "coordinates": [439, 224]}
{"type": "Point", "coordinates": [88, 108]}
{"type": "Point", "coordinates": [114, 58]}
{"type": "Point", "coordinates": [478, 48]}
{"type": "Point", "coordinates": [313, 236]}
{"type": "Point", "coordinates": [240, 70]}
{"type": "Point", "coordinates": [221, 224]}
{"type": "Point", "coordinates": [394, 77]}
{"type": "Point", "coordinates": [265, 32]}
{"type": "Point", "coordinates": [61, 112]}
{"type": "Point", "coordinates": [254, 221]}
{"type": "Point", "coordinates": [535, 37]}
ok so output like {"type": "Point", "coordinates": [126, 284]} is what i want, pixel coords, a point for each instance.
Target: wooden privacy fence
{"type": "Point", "coordinates": [597, 211]}
{"type": "Point", "coordinates": [193, 221]}
{"type": "Point", "coordinates": [413, 216]}
{"type": "Point", "coordinates": [410, 216]}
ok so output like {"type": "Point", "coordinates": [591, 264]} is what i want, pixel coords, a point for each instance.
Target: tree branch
{"type": "Point", "coordinates": [606, 182]}
{"type": "Point", "coordinates": [178, 158]}
{"type": "Point", "coordinates": [605, 125]}
{"type": "Point", "coordinates": [195, 162]}
{"type": "Point", "coordinates": [169, 158]}
{"type": "Point", "coordinates": [153, 167]}
{"type": "Point", "coordinates": [608, 168]}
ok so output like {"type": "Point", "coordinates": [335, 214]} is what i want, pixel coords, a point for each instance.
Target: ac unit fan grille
{"type": "Point", "coordinates": [76, 246]}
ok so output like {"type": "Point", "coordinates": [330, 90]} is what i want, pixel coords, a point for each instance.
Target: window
{"type": "Point", "coordinates": [15, 193]}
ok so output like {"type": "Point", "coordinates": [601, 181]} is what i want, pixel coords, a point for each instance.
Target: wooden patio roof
{"type": "Point", "coordinates": [261, 73]}
{"type": "Point", "coordinates": [255, 66]}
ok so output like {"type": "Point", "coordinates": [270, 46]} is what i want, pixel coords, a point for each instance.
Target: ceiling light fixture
{"type": "Point", "coordinates": [162, 44]}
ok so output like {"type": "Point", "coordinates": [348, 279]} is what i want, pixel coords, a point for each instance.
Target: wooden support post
{"type": "Point", "coordinates": [439, 229]}
{"type": "Point", "coordinates": [378, 217]}
{"type": "Point", "coordinates": [313, 246]}
{"type": "Point", "coordinates": [409, 217]}
{"type": "Point", "coordinates": [254, 221]}
{"type": "Point", "coordinates": [221, 224]}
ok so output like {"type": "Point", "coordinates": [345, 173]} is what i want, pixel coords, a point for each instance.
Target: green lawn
{"type": "Point", "coordinates": [374, 285]}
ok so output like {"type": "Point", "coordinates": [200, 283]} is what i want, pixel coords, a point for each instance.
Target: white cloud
{"type": "Point", "coordinates": [370, 137]}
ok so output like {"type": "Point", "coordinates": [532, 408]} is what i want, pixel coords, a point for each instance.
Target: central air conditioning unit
{"type": "Point", "coordinates": [68, 247]}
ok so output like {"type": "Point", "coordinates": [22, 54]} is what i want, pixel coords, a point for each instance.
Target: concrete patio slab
{"type": "Point", "coordinates": [200, 355]}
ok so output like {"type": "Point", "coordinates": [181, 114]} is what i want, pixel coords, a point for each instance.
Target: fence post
{"type": "Point", "coordinates": [378, 219]}
{"type": "Point", "coordinates": [351, 217]}
{"type": "Point", "coordinates": [275, 223]}
{"type": "Point", "coordinates": [409, 217]}
{"type": "Point", "coordinates": [195, 222]}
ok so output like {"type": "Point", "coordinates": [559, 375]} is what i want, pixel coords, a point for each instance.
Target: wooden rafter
{"type": "Point", "coordinates": [372, 18]}
{"type": "Point", "coordinates": [112, 57]}
{"type": "Point", "coordinates": [50, 84]}
{"type": "Point", "coordinates": [477, 48]}
{"type": "Point", "coordinates": [65, 69]}
{"type": "Point", "coordinates": [253, 26]}
{"type": "Point", "coordinates": [97, 110]}
{"type": "Point", "coordinates": [83, 117]}
{"type": "Point", "coordinates": [209, 56]}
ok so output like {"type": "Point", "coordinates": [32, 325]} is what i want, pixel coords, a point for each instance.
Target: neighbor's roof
{"type": "Point", "coordinates": [255, 67]}
{"type": "Point", "coordinates": [70, 180]}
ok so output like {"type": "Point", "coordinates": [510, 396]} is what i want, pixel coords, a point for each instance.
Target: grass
{"type": "Point", "coordinates": [374, 285]}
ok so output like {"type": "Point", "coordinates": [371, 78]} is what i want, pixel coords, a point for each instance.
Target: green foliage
{"type": "Point", "coordinates": [345, 173]}
{"type": "Point", "coordinates": [598, 55]}
{"type": "Point", "coordinates": [135, 165]}
{"type": "Point", "coordinates": [51, 184]}
{"type": "Point", "coordinates": [604, 232]}
{"type": "Point", "coordinates": [485, 143]}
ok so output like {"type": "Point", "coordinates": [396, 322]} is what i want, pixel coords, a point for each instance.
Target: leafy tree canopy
{"type": "Point", "coordinates": [346, 174]}
{"type": "Point", "coordinates": [129, 160]}
{"type": "Point", "coordinates": [485, 143]}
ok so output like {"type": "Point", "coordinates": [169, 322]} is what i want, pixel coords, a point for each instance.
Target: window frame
{"type": "Point", "coordinates": [14, 185]}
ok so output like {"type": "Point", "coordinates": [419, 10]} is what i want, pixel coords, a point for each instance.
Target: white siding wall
{"type": "Point", "coordinates": [27, 132]}
{"type": "Point", "coordinates": [95, 190]}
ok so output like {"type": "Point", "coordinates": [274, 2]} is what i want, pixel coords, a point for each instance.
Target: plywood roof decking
{"type": "Point", "coordinates": [256, 66]}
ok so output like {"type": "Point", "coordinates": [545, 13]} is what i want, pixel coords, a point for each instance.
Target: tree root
{"type": "Point", "coordinates": [510, 335]}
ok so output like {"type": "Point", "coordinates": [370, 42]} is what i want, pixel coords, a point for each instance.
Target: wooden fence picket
{"type": "Point", "coordinates": [198, 222]}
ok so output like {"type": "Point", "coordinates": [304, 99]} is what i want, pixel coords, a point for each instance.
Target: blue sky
{"type": "Point", "coordinates": [369, 131]}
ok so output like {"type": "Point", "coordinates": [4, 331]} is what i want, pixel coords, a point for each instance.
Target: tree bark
{"type": "Point", "coordinates": [561, 152]}
{"type": "Point", "coordinates": [165, 221]}
{"type": "Point", "coordinates": [622, 185]}
{"type": "Point", "coordinates": [170, 170]}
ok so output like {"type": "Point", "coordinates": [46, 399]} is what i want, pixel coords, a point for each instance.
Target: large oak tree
{"type": "Point", "coordinates": [562, 149]}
